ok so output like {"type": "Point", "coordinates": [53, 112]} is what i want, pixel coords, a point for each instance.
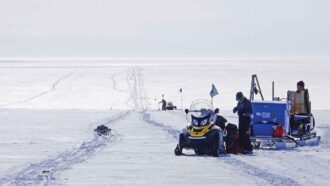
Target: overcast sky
{"type": "Point", "coordinates": [164, 28]}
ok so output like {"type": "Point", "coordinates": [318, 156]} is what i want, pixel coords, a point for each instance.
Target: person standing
{"type": "Point", "coordinates": [163, 102]}
{"type": "Point", "coordinates": [244, 110]}
{"type": "Point", "coordinates": [301, 99]}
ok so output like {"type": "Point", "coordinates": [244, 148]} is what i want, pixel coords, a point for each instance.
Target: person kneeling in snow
{"type": "Point", "coordinates": [220, 121]}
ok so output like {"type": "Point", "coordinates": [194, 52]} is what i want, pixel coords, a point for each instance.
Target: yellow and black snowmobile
{"type": "Point", "coordinates": [201, 134]}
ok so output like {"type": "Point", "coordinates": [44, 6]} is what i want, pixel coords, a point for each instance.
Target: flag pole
{"type": "Point", "coordinates": [212, 100]}
{"type": "Point", "coordinates": [181, 101]}
{"type": "Point", "coordinates": [181, 97]}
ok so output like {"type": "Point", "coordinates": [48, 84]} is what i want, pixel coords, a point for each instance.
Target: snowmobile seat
{"type": "Point", "coordinates": [301, 124]}
{"type": "Point", "coordinates": [299, 119]}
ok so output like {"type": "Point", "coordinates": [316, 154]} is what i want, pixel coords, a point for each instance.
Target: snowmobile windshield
{"type": "Point", "coordinates": [200, 109]}
{"type": "Point", "coordinates": [201, 106]}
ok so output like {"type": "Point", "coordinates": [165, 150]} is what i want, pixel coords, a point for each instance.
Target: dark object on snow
{"type": "Point", "coordinates": [170, 106]}
{"type": "Point", "coordinates": [45, 171]}
{"type": "Point", "coordinates": [231, 139]}
{"type": "Point", "coordinates": [102, 130]}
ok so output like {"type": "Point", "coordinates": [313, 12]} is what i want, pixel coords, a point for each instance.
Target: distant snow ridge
{"type": "Point", "coordinates": [243, 167]}
{"type": "Point", "coordinates": [47, 172]}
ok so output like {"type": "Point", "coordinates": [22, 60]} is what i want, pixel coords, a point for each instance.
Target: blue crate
{"type": "Point", "coordinates": [262, 129]}
{"type": "Point", "coordinates": [268, 113]}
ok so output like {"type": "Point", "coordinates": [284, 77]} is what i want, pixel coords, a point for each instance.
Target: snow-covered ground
{"type": "Point", "coordinates": [49, 110]}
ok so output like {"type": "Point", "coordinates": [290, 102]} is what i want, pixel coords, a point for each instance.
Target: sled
{"type": "Point", "coordinates": [102, 130]}
{"type": "Point", "coordinates": [275, 127]}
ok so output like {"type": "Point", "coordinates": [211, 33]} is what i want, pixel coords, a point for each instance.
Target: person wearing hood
{"type": "Point", "coordinates": [244, 110]}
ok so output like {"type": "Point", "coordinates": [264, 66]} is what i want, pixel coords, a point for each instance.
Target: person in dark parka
{"type": "Point", "coordinates": [163, 102]}
{"type": "Point", "coordinates": [244, 110]}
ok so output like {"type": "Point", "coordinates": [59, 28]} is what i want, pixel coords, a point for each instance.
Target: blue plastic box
{"type": "Point", "coordinates": [266, 114]}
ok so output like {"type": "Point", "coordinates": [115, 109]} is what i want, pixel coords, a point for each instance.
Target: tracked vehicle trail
{"type": "Point", "coordinates": [48, 171]}
{"type": "Point", "coordinates": [242, 167]}
{"type": "Point", "coordinates": [51, 89]}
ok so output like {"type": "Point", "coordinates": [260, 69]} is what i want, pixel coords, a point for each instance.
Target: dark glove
{"type": "Point", "coordinates": [235, 110]}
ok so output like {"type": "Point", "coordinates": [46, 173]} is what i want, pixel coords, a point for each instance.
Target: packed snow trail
{"type": "Point", "coordinates": [143, 155]}
{"type": "Point", "coordinates": [138, 98]}
{"type": "Point", "coordinates": [48, 171]}
{"type": "Point", "coordinates": [53, 87]}
{"type": "Point", "coordinates": [243, 167]}
{"type": "Point", "coordinates": [139, 95]}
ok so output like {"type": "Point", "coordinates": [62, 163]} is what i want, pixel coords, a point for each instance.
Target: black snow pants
{"type": "Point", "coordinates": [244, 138]}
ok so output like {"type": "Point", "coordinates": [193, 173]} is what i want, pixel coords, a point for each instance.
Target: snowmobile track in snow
{"type": "Point", "coordinates": [138, 98]}
{"type": "Point", "coordinates": [146, 117]}
{"type": "Point", "coordinates": [243, 167]}
{"type": "Point", "coordinates": [52, 89]}
{"type": "Point", "coordinates": [47, 172]}
{"type": "Point", "coordinates": [114, 86]}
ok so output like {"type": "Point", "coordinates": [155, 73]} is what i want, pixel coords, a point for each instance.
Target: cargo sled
{"type": "Point", "coordinates": [102, 130]}
{"type": "Point", "coordinates": [275, 126]}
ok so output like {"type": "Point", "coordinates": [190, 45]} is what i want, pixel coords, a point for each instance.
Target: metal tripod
{"type": "Point", "coordinates": [255, 88]}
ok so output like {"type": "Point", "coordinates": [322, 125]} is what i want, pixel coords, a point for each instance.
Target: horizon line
{"type": "Point", "coordinates": [26, 59]}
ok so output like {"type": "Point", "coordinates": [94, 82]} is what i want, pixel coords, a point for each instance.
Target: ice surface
{"type": "Point", "coordinates": [49, 110]}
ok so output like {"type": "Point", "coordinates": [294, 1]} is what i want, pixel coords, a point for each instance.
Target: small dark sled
{"type": "Point", "coordinates": [102, 130]}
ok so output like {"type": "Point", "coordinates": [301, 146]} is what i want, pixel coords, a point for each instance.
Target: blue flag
{"type": "Point", "coordinates": [214, 91]}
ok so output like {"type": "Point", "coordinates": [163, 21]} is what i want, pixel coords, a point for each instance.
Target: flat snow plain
{"type": "Point", "coordinates": [48, 111]}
